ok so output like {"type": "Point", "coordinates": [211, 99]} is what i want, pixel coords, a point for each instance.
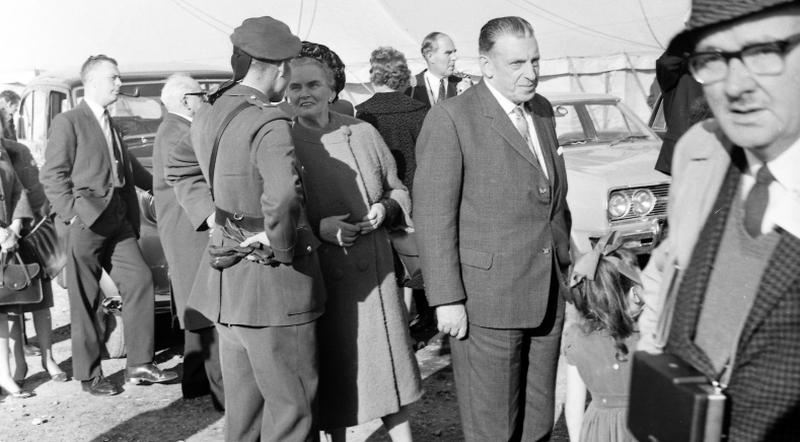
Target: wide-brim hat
{"type": "Point", "coordinates": [708, 14]}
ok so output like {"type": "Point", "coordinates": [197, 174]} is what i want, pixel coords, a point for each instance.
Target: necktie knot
{"type": "Point", "coordinates": [520, 122]}
{"type": "Point", "coordinates": [764, 176]}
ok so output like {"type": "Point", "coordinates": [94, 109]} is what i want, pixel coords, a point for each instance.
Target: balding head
{"type": "Point", "coordinates": [175, 98]}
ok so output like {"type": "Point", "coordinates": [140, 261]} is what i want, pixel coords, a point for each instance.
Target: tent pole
{"type": "Point", "coordinates": [574, 74]}
{"type": "Point", "coordinates": [636, 76]}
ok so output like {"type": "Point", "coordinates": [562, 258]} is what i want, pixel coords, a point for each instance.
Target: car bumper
{"type": "Point", "coordinates": [638, 236]}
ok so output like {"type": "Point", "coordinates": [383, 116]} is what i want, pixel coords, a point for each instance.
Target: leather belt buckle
{"type": "Point", "coordinates": [238, 216]}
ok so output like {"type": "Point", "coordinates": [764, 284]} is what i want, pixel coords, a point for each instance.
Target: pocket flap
{"type": "Point", "coordinates": [476, 258]}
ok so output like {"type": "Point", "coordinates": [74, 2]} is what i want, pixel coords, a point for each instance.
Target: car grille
{"type": "Point", "coordinates": [660, 191]}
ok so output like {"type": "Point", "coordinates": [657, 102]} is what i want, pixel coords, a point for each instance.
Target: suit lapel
{"type": "Point", "coordinates": [98, 135]}
{"type": "Point", "coordinates": [502, 124]}
{"type": "Point", "coordinates": [545, 142]}
{"type": "Point", "coordinates": [451, 88]}
{"type": "Point", "coordinates": [421, 90]}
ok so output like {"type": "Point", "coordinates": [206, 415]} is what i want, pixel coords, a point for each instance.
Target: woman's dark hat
{"type": "Point", "coordinates": [707, 14]}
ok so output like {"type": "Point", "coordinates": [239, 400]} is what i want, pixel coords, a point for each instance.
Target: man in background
{"type": "Point", "coordinates": [437, 82]}
{"type": "Point", "coordinates": [9, 105]}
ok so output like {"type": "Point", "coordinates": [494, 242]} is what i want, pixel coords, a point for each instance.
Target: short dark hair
{"type": "Point", "coordinates": [429, 42]}
{"type": "Point", "coordinates": [326, 56]}
{"type": "Point", "coordinates": [389, 67]}
{"type": "Point", "coordinates": [10, 96]}
{"type": "Point", "coordinates": [93, 61]}
{"type": "Point", "coordinates": [496, 27]}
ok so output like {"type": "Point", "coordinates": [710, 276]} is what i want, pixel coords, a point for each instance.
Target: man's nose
{"type": "Point", "coordinates": [739, 78]}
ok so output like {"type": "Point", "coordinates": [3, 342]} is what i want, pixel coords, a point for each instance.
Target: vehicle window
{"type": "Point", "coordinates": [609, 122]}
{"type": "Point", "coordinates": [58, 104]}
{"type": "Point", "coordinates": [24, 125]}
{"type": "Point", "coordinates": [657, 121]}
{"type": "Point", "coordinates": [569, 129]}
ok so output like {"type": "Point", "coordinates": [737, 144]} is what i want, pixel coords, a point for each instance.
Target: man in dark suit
{"type": "Point", "coordinates": [89, 178]}
{"type": "Point", "coordinates": [437, 82]}
{"type": "Point", "coordinates": [493, 232]}
{"type": "Point", "coordinates": [265, 307]}
{"type": "Point", "coordinates": [185, 215]}
{"type": "Point", "coordinates": [734, 247]}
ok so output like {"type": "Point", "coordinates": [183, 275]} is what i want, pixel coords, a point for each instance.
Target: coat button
{"type": "Point", "coordinates": [309, 249]}
{"type": "Point", "coordinates": [542, 190]}
{"type": "Point", "coordinates": [546, 251]}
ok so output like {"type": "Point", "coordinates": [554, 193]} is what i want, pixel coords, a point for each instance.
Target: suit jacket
{"type": "Point", "coordinates": [257, 176]}
{"type": "Point", "coordinates": [492, 229]}
{"type": "Point", "coordinates": [419, 91]}
{"type": "Point", "coordinates": [77, 169]}
{"type": "Point", "coordinates": [764, 388]}
{"type": "Point", "coordinates": [183, 238]}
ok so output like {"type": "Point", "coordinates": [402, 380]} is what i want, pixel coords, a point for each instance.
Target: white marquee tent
{"type": "Point", "coordinates": [586, 45]}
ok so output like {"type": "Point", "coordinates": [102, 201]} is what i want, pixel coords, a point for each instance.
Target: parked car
{"type": "Point", "coordinates": [138, 113]}
{"type": "Point", "coordinates": [610, 154]}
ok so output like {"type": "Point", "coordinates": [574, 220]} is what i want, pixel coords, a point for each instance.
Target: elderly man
{"type": "Point", "coordinates": [437, 82]}
{"type": "Point", "coordinates": [728, 276]}
{"type": "Point", "coordinates": [185, 214]}
{"type": "Point", "coordinates": [493, 226]}
{"type": "Point", "coordinates": [265, 305]}
{"type": "Point", "coordinates": [9, 105]}
{"type": "Point", "coordinates": [89, 178]}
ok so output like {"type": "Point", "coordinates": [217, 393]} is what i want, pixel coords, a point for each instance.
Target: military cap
{"type": "Point", "coordinates": [266, 38]}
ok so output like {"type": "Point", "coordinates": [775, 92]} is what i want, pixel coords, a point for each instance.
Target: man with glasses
{"type": "Point", "coordinates": [89, 178]}
{"type": "Point", "coordinates": [727, 280]}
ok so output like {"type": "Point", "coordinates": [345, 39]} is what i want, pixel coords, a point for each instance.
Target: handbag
{"type": "Point", "coordinates": [19, 283]}
{"type": "Point", "coordinates": [46, 247]}
{"type": "Point", "coordinates": [405, 245]}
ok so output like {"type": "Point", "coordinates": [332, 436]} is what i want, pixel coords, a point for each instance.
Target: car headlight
{"type": "Point", "coordinates": [618, 205]}
{"type": "Point", "coordinates": [643, 202]}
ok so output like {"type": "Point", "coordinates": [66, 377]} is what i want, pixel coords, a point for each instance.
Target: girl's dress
{"type": "Point", "coordinates": [606, 378]}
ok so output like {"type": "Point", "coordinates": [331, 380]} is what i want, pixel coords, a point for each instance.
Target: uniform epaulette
{"type": "Point", "coordinates": [256, 101]}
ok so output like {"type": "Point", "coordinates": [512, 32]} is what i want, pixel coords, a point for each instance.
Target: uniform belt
{"type": "Point", "coordinates": [250, 223]}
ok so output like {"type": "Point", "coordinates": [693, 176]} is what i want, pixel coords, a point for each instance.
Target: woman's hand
{"type": "Point", "coordinates": [10, 235]}
{"type": "Point", "coordinates": [373, 219]}
{"type": "Point", "coordinates": [257, 238]}
{"type": "Point", "coordinates": [335, 230]}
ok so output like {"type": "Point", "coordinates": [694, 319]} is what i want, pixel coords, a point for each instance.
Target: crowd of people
{"type": "Point", "coordinates": [283, 211]}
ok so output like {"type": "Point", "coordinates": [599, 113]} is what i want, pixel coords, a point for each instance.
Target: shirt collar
{"type": "Point", "coordinates": [507, 105]}
{"type": "Point", "coordinates": [433, 79]}
{"type": "Point", "coordinates": [783, 168]}
{"type": "Point", "coordinates": [97, 110]}
{"type": "Point", "coordinates": [184, 116]}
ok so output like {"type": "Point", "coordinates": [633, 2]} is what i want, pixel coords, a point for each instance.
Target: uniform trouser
{"type": "Point", "coordinates": [111, 244]}
{"type": "Point", "coordinates": [202, 372]}
{"type": "Point", "coordinates": [271, 377]}
{"type": "Point", "coordinates": [505, 380]}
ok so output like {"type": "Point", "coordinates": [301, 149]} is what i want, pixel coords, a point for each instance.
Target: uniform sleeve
{"type": "Point", "coordinates": [437, 198]}
{"type": "Point", "coordinates": [57, 169]}
{"type": "Point", "coordinates": [182, 172]}
{"type": "Point", "coordinates": [282, 191]}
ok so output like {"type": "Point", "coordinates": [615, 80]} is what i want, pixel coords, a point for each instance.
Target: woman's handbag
{"type": "Point", "coordinates": [47, 248]}
{"type": "Point", "coordinates": [19, 283]}
{"type": "Point", "coordinates": [405, 245]}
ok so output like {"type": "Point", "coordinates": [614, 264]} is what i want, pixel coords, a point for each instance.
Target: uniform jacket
{"type": "Point", "coordinates": [492, 229]}
{"type": "Point", "coordinates": [183, 241]}
{"type": "Point", "coordinates": [419, 91]}
{"type": "Point", "coordinates": [257, 176]}
{"type": "Point", "coordinates": [77, 170]}
{"type": "Point", "coordinates": [764, 389]}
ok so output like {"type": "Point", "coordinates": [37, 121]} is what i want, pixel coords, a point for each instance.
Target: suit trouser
{"type": "Point", "coordinates": [202, 372]}
{"type": "Point", "coordinates": [271, 377]}
{"type": "Point", "coordinates": [505, 380]}
{"type": "Point", "coordinates": [109, 244]}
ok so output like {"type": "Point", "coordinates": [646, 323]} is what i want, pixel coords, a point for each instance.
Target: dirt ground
{"type": "Point", "coordinates": [62, 412]}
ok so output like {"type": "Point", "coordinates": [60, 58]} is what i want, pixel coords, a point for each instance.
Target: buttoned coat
{"type": "Point", "coordinates": [764, 388]}
{"type": "Point", "coordinates": [77, 169]}
{"type": "Point", "coordinates": [183, 236]}
{"type": "Point", "coordinates": [257, 176]}
{"type": "Point", "coordinates": [492, 229]}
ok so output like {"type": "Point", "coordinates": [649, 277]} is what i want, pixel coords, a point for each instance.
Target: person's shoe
{"type": "Point", "coordinates": [31, 350]}
{"type": "Point", "coordinates": [58, 377]}
{"type": "Point", "coordinates": [99, 386]}
{"type": "Point", "coordinates": [148, 374]}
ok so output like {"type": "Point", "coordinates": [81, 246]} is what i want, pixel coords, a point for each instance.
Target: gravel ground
{"type": "Point", "coordinates": [62, 412]}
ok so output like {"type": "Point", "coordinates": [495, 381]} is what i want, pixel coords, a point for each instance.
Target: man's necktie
{"type": "Point", "coordinates": [756, 203]}
{"type": "Point", "coordinates": [522, 126]}
{"type": "Point", "coordinates": [111, 137]}
{"type": "Point", "coordinates": [442, 91]}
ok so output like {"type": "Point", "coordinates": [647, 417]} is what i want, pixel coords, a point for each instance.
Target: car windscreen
{"type": "Point", "coordinates": [579, 123]}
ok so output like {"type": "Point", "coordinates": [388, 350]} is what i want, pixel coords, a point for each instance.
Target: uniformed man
{"type": "Point", "coordinates": [265, 307]}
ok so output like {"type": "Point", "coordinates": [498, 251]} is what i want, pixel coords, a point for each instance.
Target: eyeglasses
{"type": "Point", "coordinates": [760, 58]}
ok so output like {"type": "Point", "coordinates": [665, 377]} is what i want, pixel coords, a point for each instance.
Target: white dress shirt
{"type": "Point", "coordinates": [432, 84]}
{"type": "Point", "coordinates": [508, 107]}
{"type": "Point", "coordinates": [783, 208]}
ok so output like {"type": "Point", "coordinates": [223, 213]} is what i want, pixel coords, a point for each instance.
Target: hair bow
{"type": "Point", "coordinates": [586, 266]}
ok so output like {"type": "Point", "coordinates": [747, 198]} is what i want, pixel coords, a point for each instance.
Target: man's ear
{"type": "Point", "coordinates": [486, 66]}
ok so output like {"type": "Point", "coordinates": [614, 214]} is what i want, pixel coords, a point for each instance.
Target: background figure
{"type": "Point", "coordinates": [28, 174]}
{"type": "Point", "coordinates": [493, 231]}
{"type": "Point", "coordinates": [266, 312]}
{"type": "Point", "coordinates": [679, 93]}
{"type": "Point", "coordinates": [734, 248]}
{"type": "Point", "coordinates": [324, 55]}
{"type": "Point", "coordinates": [89, 178]}
{"type": "Point", "coordinates": [367, 367]}
{"type": "Point", "coordinates": [599, 347]}
{"type": "Point", "coordinates": [437, 82]}
{"type": "Point", "coordinates": [398, 119]}
{"type": "Point", "coordinates": [13, 210]}
{"type": "Point", "coordinates": [9, 105]}
{"type": "Point", "coordinates": [185, 214]}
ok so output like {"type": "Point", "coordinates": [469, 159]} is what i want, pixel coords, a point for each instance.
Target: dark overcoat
{"type": "Point", "coordinates": [183, 238]}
